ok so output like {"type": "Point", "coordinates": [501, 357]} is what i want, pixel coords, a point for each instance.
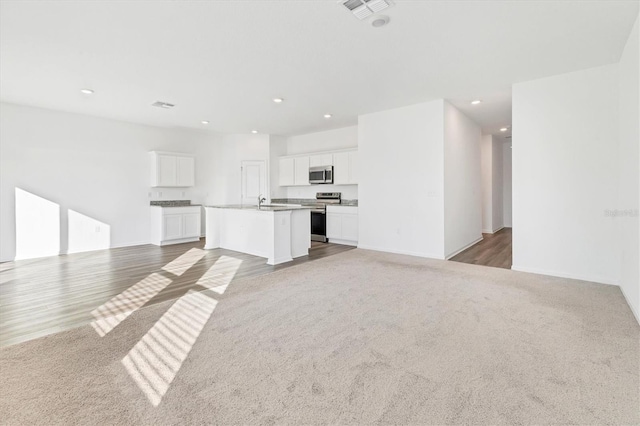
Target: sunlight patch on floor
{"type": "Point", "coordinates": [116, 310]}
{"type": "Point", "coordinates": [219, 276]}
{"type": "Point", "coordinates": [155, 360]}
{"type": "Point", "coordinates": [181, 264]}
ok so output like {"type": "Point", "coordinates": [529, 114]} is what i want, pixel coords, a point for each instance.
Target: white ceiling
{"type": "Point", "coordinates": [224, 61]}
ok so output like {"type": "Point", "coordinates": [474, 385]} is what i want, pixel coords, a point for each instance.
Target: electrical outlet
{"type": "Point", "coordinates": [97, 228]}
{"type": "Point", "coordinates": [159, 194]}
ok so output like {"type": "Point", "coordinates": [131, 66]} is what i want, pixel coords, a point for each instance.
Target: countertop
{"type": "Point", "coordinates": [172, 206]}
{"type": "Point", "coordinates": [173, 203]}
{"type": "Point", "coordinates": [310, 201]}
{"type": "Point", "coordinates": [263, 208]}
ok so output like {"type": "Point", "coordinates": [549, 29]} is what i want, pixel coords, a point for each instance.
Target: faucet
{"type": "Point", "coordinates": [261, 200]}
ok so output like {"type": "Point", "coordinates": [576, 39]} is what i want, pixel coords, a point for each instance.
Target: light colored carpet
{"type": "Point", "coordinates": [359, 338]}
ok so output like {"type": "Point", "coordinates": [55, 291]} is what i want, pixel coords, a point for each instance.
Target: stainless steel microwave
{"type": "Point", "coordinates": [322, 174]}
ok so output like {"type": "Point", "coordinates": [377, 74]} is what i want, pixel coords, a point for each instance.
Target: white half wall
{"type": "Point", "coordinates": [89, 176]}
{"type": "Point", "coordinates": [629, 181]}
{"type": "Point", "coordinates": [462, 181]}
{"type": "Point", "coordinates": [401, 204]}
{"type": "Point", "coordinates": [506, 184]}
{"type": "Point", "coordinates": [565, 177]}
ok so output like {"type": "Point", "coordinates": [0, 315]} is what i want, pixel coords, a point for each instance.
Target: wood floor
{"type": "Point", "coordinates": [494, 250]}
{"type": "Point", "coordinates": [48, 295]}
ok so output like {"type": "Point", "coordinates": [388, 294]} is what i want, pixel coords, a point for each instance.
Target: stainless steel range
{"type": "Point", "coordinates": [319, 214]}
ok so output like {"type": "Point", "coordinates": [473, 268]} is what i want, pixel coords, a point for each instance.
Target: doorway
{"type": "Point", "coordinates": [495, 248]}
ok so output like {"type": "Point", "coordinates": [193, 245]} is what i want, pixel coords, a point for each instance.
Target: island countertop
{"type": "Point", "coordinates": [263, 208]}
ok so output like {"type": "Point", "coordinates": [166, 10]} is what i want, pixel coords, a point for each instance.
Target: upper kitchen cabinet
{"type": "Point", "coordinates": [293, 171]}
{"type": "Point", "coordinates": [287, 172]}
{"type": "Point", "coordinates": [345, 168]}
{"type": "Point", "coordinates": [319, 160]}
{"type": "Point", "coordinates": [172, 169]}
{"type": "Point", "coordinates": [301, 170]}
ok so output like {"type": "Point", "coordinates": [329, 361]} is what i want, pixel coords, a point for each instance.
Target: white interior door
{"type": "Point", "coordinates": [254, 181]}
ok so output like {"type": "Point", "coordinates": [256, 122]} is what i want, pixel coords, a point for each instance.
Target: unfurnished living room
{"type": "Point", "coordinates": [319, 212]}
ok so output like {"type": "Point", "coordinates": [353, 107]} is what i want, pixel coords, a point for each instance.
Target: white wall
{"type": "Point", "coordinates": [506, 184]}
{"type": "Point", "coordinates": [565, 175]}
{"type": "Point", "coordinates": [492, 170]}
{"type": "Point", "coordinates": [93, 172]}
{"type": "Point", "coordinates": [498, 184]}
{"type": "Point", "coordinates": [486, 157]}
{"type": "Point", "coordinates": [277, 149]}
{"type": "Point", "coordinates": [401, 205]}
{"type": "Point", "coordinates": [330, 140]}
{"type": "Point", "coordinates": [629, 177]}
{"type": "Point", "coordinates": [462, 181]}
{"type": "Point", "coordinates": [228, 154]}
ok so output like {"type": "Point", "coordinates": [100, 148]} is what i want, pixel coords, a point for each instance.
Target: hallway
{"type": "Point", "coordinates": [494, 250]}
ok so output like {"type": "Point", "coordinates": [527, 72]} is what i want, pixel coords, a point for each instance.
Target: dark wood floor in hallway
{"type": "Point", "coordinates": [494, 250]}
{"type": "Point", "coordinates": [43, 296]}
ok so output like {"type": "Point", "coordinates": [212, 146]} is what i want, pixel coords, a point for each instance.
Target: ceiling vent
{"type": "Point", "coordinates": [165, 105]}
{"type": "Point", "coordinates": [365, 8]}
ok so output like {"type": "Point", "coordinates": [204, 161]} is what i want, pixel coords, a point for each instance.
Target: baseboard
{"type": "Point", "coordinates": [139, 243]}
{"type": "Point", "coordinates": [488, 231]}
{"type": "Point", "coordinates": [343, 242]}
{"type": "Point", "coordinates": [590, 278]}
{"type": "Point", "coordinates": [633, 310]}
{"type": "Point", "coordinates": [464, 248]}
{"type": "Point", "coordinates": [408, 253]}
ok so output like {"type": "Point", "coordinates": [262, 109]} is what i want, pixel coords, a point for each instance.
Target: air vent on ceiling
{"type": "Point", "coordinates": [365, 8]}
{"type": "Point", "coordinates": [165, 105]}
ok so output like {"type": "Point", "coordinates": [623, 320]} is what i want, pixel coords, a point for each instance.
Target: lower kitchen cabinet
{"type": "Point", "coordinates": [173, 225]}
{"type": "Point", "coordinates": [342, 225]}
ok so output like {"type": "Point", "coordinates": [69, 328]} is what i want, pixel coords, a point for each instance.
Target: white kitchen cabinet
{"type": "Point", "coordinates": [350, 227]}
{"type": "Point", "coordinates": [342, 225]}
{"type": "Point", "coordinates": [341, 168]}
{"type": "Point", "coordinates": [301, 166]}
{"type": "Point", "coordinates": [172, 169]}
{"type": "Point", "coordinates": [186, 171]}
{"type": "Point", "coordinates": [345, 168]}
{"type": "Point", "coordinates": [287, 176]}
{"type": "Point", "coordinates": [191, 224]}
{"type": "Point", "coordinates": [319, 160]}
{"type": "Point", "coordinates": [173, 225]}
{"type": "Point", "coordinates": [354, 167]}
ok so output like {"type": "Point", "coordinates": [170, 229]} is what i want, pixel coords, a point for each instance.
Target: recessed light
{"type": "Point", "coordinates": [254, 131]}
{"type": "Point", "coordinates": [87, 91]}
{"type": "Point", "coordinates": [327, 116]}
{"type": "Point", "coordinates": [476, 102]}
{"type": "Point", "coordinates": [204, 122]}
{"type": "Point", "coordinates": [504, 129]}
{"type": "Point", "coordinates": [278, 100]}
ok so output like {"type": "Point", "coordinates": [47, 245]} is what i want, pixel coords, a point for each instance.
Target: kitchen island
{"type": "Point", "coordinates": [279, 233]}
